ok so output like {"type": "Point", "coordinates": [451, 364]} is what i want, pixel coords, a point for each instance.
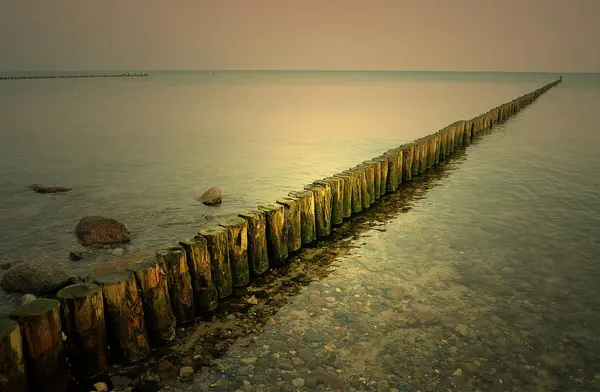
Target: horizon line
{"type": "Point", "coordinates": [295, 70]}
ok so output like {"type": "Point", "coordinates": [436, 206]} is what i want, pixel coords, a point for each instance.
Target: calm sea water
{"type": "Point", "coordinates": [488, 282]}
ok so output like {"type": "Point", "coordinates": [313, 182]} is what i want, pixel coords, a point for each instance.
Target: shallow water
{"type": "Point", "coordinates": [486, 281]}
{"type": "Point", "coordinates": [142, 150]}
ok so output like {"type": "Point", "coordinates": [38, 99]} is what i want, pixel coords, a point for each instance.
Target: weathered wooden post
{"type": "Point", "coordinates": [356, 190]}
{"type": "Point", "coordinates": [206, 297]}
{"type": "Point", "coordinates": [364, 187]}
{"type": "Point", "coordinates": [151, 278]}
{"type": "Point", "coordinates": [124, 315]}
{"type": "Point", "coordinates": [322, 195]}
{"type": "Point", "coordinates": [258, 257]}
{"type": "Point", "coordinates": [347, 197]}
{"type": "Point", "coordinates": [181, 291]}
{"type": "Point", "coordinates": [276, 234]}
{"type": "Point", "coordinates": [337, 199]}
{"type": "Point", "coordinates": [292, 221]}
{"type": "Point", "coordinates": [376, 167]}
{"type": "Point", "coordinates": [370, 173]}
{"type": "Point", "coordinates": [407, 161]}
{"type": "Point", "coordinates": [45, 357]}
{"type": "Point", "coordinates": [307, 215]}
{"type": "Point", "coordinates": [82, 308]}
{"type": "Point", "coordinates": [384, 167]}
{"type": "Point", "coordinates": [13, 377]}
{"type": "Point", "coordinates": [216, 240]}
{"type": "Point", "coordinates": [237, 238]}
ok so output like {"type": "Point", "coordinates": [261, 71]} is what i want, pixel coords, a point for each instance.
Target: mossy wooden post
{"type": "Point", "coordinates": [407, 161]}
{"type": "Point", "coordinates": [430, 152]}
{"type": "Point", "coordinates": [384, 168]}
{"type": "Point", "coordinates": [376, 165]}
{"type": "Point", "coordinates": [293, 222]}
{"type": "Point", "coordinates": [45, 356]}
{"type": "Point", "coordinates": [13, 377]}
{"type": "Point", "coordinates": [237, 238]}
{"type": "Point", "coordinates": [276, 234]}
{"type": "Point", "coordinates": [397, 155]}
{"type": "Point", "coordinates": [364, 187]}
{"type": "Point", "coordinates": [206, 297]}
{"type": "Point", "coordinates": [124, 315]}
{"type": "Point", "coordinates": [322, 209]}
{"type": "Point", "coordinates": [258, 257]}
{"type": "Point", "coordinates": [181, 291]}
{"type": "Point", "coordinates": [328, 200]}
{"type": "Point", "coordinates": [416, 157]}
{"type": "Point", "coordinates": [370, 176]}
{"type": "Point", "coordinates": [443, 144]}
{"type": "Point", "coordinates": [307, 215]}
{"type": "Point", "coordinates": [217, 242]}
{"type": "Point", "coordinates": [82, 309]}
{"type": "Point", "coordinates": [347, 194]}
{"type": "Point", "coordinates": [152, 281]}
{"type": "Point", "coordinates": [461, 134]}
{"type": "Point", "coordinates": [356, 190]}
{"type": "Point", "coordinates": [337, 199]}
{"type": "Point", "coordinates": [392, 174]}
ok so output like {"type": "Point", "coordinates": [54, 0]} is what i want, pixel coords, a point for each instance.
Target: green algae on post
{"type": "Point", "coordinates": [276, 233]}
{"type": "Point", "coordinates": [383, 167]}
{"type": "Point", "coordinates": [356, 202]}
{"type": "Point", "coordinates": [237, 238]}
{"type": "Point", "coordinates": [206, 296]}
{"type": "Point", "coordinates": [151, 278]}
{"type": "Point", "coordinates": [346, 184]}
{"type": "Point", "coordinates": [337, 199]}
{"type": "Point", "coordinates": [124, 315]}
{"type": "Point", "coordinates": [217, 243]}
{"type": "Point", "coordinates": [293, 222]}
{"type": "Point", "coordinates": [322, 198]}
{"type": "Point", "coordinates": [179, 285]}
{"type": "Point", "coordinates": [407, 160]}
{"type": "Point", "coordinates": [82, 310]}
{"type": "Point", "coordinates": [307, 215]}
{"type": "Point", "coordinates": [258, 257]}
{"type": "Point", "coordinates": [12, 360]}
{"type": "Point", "coordinates": [364, 187]}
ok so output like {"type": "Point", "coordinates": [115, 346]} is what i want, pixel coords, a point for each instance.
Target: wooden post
{"type": "Point", "coordinates": [276, 234]}
{"type": "Point", "coordinates": [322, 197]}
{"type": "Point", "coordinates": [437, 140]}
{"type": "Point", "coordinates": [206, 297]}
{"type": "Point", "coordinates": [181, 291]}
{"type": "Point", "coordinates": [370, 173]}
{"type": "Point", "coordinates": [151, 278]}
{"type": "Point", "coordinates": [45, 357]}
{"type": "Point", "coordinates": [423, 160]}
{"type": "Point", "coordinates": [258, 258]}
{"type": "Point", "coordinates": [82, 308]}
{"type": "Point", "coordinates": [12, 361]}
{"type": "Point", "coordinates": [383, 167]}
{"type": "Point", "coordinates": [237, 237]}
{"type": "Point", "coordinates": [124, 314]}
{"type": "Point", "coordinates": [364, 187]}
{"type": "Point", "coordinates": [392, 180]}
{"type": "Point", "coordinates": [407, 161]}
{"type": "Point", "coordinates": [292, 221]}
{"type": "Point", "coordinates": [216, 240]}
{"type": "Point", "coordinates": [307, 215]}
{"type": "Point", "coordinates": [397, 154]}
{"type": "Point", "coordinates": [337, 199]}
{"type": "Point", "coordinates": [346, 180]}
{"type": "Point", "coordinates": [356, 190]}
{"type": "Point", "coordinates": [374, 166]}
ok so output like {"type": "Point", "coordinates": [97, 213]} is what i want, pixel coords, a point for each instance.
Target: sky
{"type": "Point", "coordinates": [447, 35]}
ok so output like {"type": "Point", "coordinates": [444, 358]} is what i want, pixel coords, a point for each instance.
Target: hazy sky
{"type": "Point", "coordinates": [503, 35]}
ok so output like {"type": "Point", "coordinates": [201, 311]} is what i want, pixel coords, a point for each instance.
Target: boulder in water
{"type": "Point", "coordinates": [49, 189]}
{"type": "Point", "coordinates": [35, 278]}
{"type": "Point", "coordinates": [211, 197]}
{"type": "Point", "coordinates": [97, 230]}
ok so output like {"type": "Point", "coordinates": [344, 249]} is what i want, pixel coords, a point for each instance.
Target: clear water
{"type": "Point", "coordinates": [493, 271]}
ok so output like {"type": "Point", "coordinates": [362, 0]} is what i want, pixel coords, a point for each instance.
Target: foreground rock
{"type": "Point", "coordinates": [36, 278]}
{"type": "Point", "coordinates": [211, 197]}
{"type": "Point", "coordinates": [49, 189]}
{"type": "Point", "coordinates": [97, 230]}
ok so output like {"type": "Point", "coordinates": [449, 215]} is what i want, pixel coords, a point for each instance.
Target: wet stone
{"type": "Point", "coordinates": [314, 336]}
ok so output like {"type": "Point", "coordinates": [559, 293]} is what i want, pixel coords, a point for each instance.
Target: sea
{"type": "Point", "coordinates": [485, 278]}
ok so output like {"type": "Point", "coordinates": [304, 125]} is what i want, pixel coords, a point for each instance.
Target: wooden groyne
{"type": "Point", "coordinates": [86, 76]}
{"type": "Point", "coordinates": [121, 317]}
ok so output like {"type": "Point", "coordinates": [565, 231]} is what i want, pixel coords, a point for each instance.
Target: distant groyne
{"type": "Point", "coordinates": [86, 76]}
{"type": "Point", "coordinates": [140, 307]}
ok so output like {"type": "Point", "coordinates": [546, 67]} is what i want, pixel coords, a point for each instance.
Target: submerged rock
{"type": "Point", "coordinates": [36, 278]}
{"type": "Point", "coordinates": [97, 230]}
{"type": "Point", "coordinates": [27, 298]}
{"type": "Point", "coordinates": [7, 264]}
{"type": "Point", "coordinates": [211, 197]}
{"type": "Point", "coordinates": [75, 256]}
{"type": "Point", "coordinates": [49, 189]}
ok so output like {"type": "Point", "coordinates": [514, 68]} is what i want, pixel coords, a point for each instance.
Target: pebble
{"type": "Point", "coordinates": [249, 360]}
{"type": "Point", "coordinates": [101, 387]}
{"type": "Point", "coordinates": [298, 382]}
{"type": "Point", "coordinates": [458, 372]}
{"type": "Point", "coordinates": [186, 373]}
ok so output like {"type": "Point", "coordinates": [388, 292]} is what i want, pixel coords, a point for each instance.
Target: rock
{"type": "Point", "coordinates": [36, 278]}
{"type": "Point", "coordinates": [186, 373]}
{"type": "Point", "coordinates": [314, 336]}
{"type": "Point", "coordinates": [211, 197]}
{"type": "Point", "coordinates": [7, 264]}
{"type": "Point", "coordinates": [101, 387]}
{"type": "Point", "coordinates": [249, 360]}
{"type": "Point", "coordinates": [97, 230]}
{"type": "Point", "coordinates": [298, 382]}
{"type": "Point", "coordinates": [458, 372]}
{"type": "Point", "coordinates": [49, 189]}
{"type": "Point", "coordinates": [27, 298]}
{"type": "Point", "coordinates": [75, 256]}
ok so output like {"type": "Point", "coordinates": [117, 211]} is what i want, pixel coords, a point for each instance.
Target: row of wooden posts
{"type": "Point", "coordinates": [134, 310]}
